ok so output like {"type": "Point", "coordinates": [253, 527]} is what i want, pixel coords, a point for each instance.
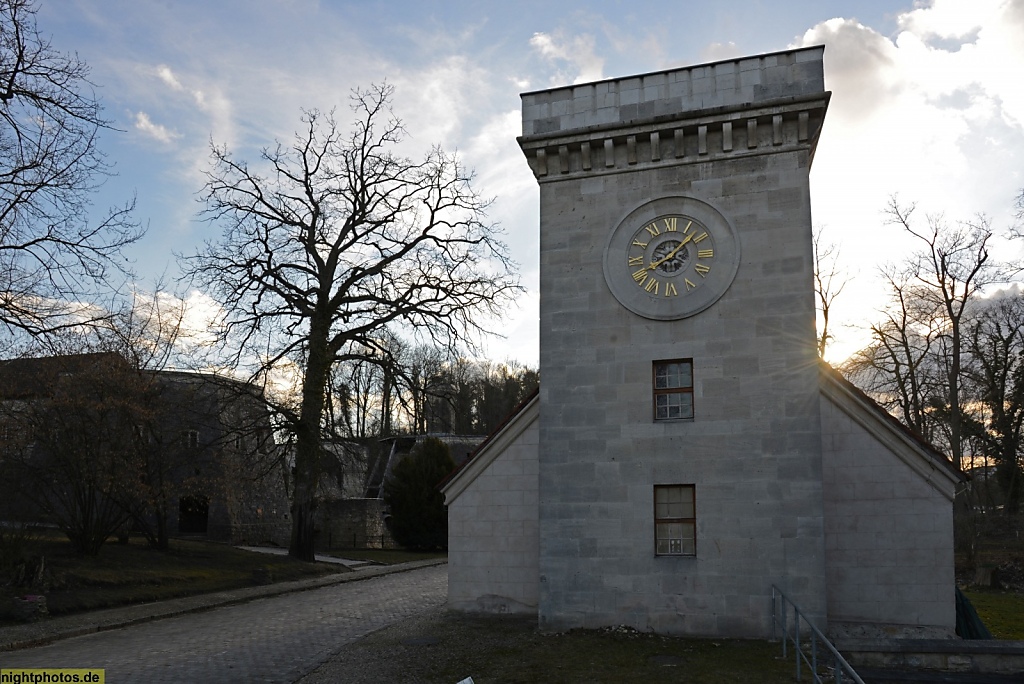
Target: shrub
{"type": "Point", "coordinates": [419, 519]}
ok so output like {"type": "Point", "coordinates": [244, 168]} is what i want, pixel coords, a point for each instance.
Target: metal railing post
{"type": "Point", "coordinates": [785, 629]}
{"type": "Point", "coordinates": [814, 655]}
{"type": "Point", "coordinates": [842, 668]}
{"type": "Point", "coordinates": [796, 643]}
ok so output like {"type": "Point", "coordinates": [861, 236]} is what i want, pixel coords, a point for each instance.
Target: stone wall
{"type": "Point", "coordinates": [353, 524]}
{"type": "Point", "coordinates": [492, 530]}
{"type": "Point", "coordinates": [888, 530]}
{"type": "Point", "coordinates": [753, 448]}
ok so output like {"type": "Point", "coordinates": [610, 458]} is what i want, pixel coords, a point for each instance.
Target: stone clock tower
{"type": "Point", "coordinates": [686, 450]}
{"type": "Point", "coordinates": [680, 445]}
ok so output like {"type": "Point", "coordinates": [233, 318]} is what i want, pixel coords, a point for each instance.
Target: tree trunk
{"type": "Point", "coordinates": [163, 541]}
{"type": "Point", "coordinates": [303, 527]}
{"type": "Point", "coordinates": [308, 443]}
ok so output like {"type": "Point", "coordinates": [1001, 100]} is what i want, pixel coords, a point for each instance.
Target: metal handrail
{"type": "Point", "coordinates": [779, 600]}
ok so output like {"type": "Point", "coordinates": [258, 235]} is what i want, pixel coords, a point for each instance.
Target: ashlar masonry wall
{"type": "Point", "coordinates": [888, 527]}
{"type": "Point", "coordinates": [492, 528]}
{"type": "Point", "coordinates": [752, 451]}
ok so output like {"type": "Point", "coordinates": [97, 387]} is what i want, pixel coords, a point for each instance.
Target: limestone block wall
{"type": "Point", "coordinates": [666, 93]}
{"type": "Point", "coordinates": [752, 450]}
{"type": "Point", "coordinates": [738, 136]}
{"type": "Point", "coordinates": [353, 524]}
{"type": "Point", "coordinates": [888, 530]}
{"type": "Point", "coordinates": [493, 533]}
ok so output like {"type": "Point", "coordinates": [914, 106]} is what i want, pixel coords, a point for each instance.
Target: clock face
{"type": "Point", "coordinates": [671, 258]}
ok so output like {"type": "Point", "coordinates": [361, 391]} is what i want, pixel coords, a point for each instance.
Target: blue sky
{"type": "Point", "coordinates": [926, 101]}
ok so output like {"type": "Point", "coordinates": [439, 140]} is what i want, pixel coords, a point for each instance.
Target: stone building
{"type": "Point", "coordinates": [207, 440]}
{"type": "Point", "coordinates": [352, 513]}
{"type": "Point", "coordinates": [686, 450]}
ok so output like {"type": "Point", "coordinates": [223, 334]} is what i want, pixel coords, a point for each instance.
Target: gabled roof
{"type": "Point", "coordinates": [518, 419]}
{"type": "Point", "coordinates": [910, 447]}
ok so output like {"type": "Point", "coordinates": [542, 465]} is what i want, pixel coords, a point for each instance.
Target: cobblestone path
{"type": "Point", "coordinates": [268, 640]}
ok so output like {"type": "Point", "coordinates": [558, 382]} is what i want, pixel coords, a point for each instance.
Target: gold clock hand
{"type": "Point", "coordinates": [671, 254]}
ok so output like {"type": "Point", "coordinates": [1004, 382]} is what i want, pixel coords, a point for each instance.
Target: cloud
{"type": "Point", "coordinates": [577, 52]}
{"type": "Point", "coordinates": [934, 113]}
{"type": "Point", "coordinates": [145, 125]}
{"type": "Point", "coordinates": [718, 51]}
{"type": "Point", "coordinates": [165, 74]}
{"type": "Point", "coordinates": [860, 67]}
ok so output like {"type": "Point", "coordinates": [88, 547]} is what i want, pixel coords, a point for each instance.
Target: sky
{"type": "Point", "coordinates": [927, 105]}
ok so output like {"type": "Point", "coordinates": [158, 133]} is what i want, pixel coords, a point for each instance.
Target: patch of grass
{"type": "Point", "coordinates": [1001, 611]}
{"type": "Point", "coordinates": [385, 556]}
{"type": "Point", "coordinates": [135, 573]}
{"type": "Point", "coordinates": [449, 647]}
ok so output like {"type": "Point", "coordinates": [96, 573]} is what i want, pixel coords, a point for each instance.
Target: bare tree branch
{"type": "Point", "coordinates": [337, 244]}
{"type": "Point", "coordinates": [51, 257]}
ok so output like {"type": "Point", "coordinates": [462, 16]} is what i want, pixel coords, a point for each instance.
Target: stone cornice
{"type": "Point", "coordinates": [691, 137]}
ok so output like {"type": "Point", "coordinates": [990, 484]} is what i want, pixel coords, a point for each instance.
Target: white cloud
{"type": "Point", "coordinates": [145, 125]}
{"type": "Point", "coordinates": [718, 51]}
{"type": "Point", "coordinates": [934, 114]}
{"type": "Point", "coordinates": [438, 100]}
{"type": "Point", "coordinates": [167, 76]}
{"type": "Point", "coordinates": [576, 51]}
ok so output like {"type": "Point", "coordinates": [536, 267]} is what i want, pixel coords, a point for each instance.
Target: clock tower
{"type": "Point", "coordinates": [680, 434]}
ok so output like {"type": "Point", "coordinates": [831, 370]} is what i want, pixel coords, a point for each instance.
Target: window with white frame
{"type": "Point", "coordinates": [673, 389]}
{"type": "Point", "coordinates": [190, 439]}
{"type": "Point", "coordinates": [675, 520]}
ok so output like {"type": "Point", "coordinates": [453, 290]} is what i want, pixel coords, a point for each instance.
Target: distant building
{"type": "Point", "coordinates": [204, 441]}
{"type": "Point", "coordinates": [352, 512]}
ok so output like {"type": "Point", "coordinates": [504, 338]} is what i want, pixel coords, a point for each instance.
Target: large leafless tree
{"type": "Point", "coordinates": [331, 245]}
{"type": "Point", "coordinates": [951, 268]}
{"type": "Point", "coordinates": [52, 256]}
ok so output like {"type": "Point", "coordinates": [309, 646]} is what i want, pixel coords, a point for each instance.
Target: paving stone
{"type": "Point", "coordinates": [276, 639]}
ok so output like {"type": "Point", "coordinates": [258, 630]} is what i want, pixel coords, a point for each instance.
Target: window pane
{"type": "Point", "coordinates": [687, 502]}
{"type": "Point", "coordinates": [687, 537]}
{"type": "Point", "coordinates": [675, 405]}
{"type": "Point", "coordinates": [673, 375]}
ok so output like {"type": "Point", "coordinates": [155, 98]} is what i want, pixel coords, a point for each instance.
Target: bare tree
{"type": "Point", "coordinates": [900, 368]}
{"type": "Point", "coordinates": [1018, 205]}
{"type": "Point", "coordinates": [828, 285]}
{"type": "Point", "coordinates": [51, 257]}
{"type": "Point", "coordinates": [341, 242]}
{"type": "Point", "coordinates": [950, 269]}
{"type": "Point", "coordinates": [74, 460]}
{"type": "Point", "coordinates": [995, 382]}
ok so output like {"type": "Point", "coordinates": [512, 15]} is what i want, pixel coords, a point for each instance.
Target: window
{"type": "Point", "coordinates": [673, 389]}
{"type": "Point", "coordinates": [675, 524]}
{"type": "Point", "coordinates": [190, 439]}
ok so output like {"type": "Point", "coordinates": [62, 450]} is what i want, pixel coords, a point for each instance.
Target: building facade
{"type": "Point", "coordinates": [686, 450]}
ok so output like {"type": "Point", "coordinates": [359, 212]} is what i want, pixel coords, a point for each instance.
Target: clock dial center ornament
{"type": "Point", "coordinates": [671, 258]}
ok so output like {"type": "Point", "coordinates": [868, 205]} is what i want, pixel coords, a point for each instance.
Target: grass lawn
{"type": "Point", "coordinates": [446, 647]}
{"type": "Point", "coordinates": [1001, 611]}
{"type": "Point", "coordinates": [134, 573]}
